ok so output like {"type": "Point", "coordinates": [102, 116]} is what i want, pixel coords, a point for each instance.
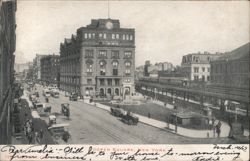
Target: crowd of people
{"type": "Point", "coordinates": [31, 134]}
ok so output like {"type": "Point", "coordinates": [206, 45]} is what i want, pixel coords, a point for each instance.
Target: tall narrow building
{"type": "Point", "coordinates": [99, 60]}
{"type": "Point", "coordinates": [7, 58]}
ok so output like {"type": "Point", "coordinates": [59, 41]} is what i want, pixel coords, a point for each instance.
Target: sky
{"type": "Point", "coordinates": [164, 30]}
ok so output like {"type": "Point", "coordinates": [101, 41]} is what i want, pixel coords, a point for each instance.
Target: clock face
{"type": "Point", "coordinates": [109, 25]}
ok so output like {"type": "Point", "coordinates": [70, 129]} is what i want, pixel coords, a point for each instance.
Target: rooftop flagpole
{"type": "Point", "coordinates": [108, 9]}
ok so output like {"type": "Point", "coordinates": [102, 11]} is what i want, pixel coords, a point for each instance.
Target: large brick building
{"type": "Point", "coordinates": [7, 49]}
{"type": "Point", "coordinates": [50, 67]}
{"type": "Point", "coordinates": [99, 60]}
{"type": "Point", "coordinates": [196, 66]}
{"type": "Point", "coordinates": [232, 69]}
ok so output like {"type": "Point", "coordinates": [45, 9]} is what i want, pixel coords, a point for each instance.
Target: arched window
{"type": "Point", "coordinates": [115, 67]}
{"type": "Point", "coordinates": [115, 64]}
{"type": "Point", "coordinates": [89, 66]}
{"type": "Point", "coordinates": [102, 64]}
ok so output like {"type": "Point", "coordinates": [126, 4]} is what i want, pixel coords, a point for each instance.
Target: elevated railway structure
{"type": "Point", "coordinates": [226, 99]}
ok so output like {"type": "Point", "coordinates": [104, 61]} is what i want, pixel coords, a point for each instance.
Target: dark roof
{"type": "Point", "coordinates": [238, 53]}
{"type": "Point", "coordinates": [67, 40]}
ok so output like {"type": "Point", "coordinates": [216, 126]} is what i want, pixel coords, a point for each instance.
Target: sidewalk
{"type": "Point", "coordinates": [38, 124]}
{"type": "Point", "coordinates": [169, 106]}
{"type": "Point", "coordinates": [192, 133]}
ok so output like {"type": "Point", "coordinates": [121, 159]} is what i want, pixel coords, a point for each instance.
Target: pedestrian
{"type": "Point", "coordinates": [219, 124]}
{"type": "Point", "coordinates": [214, 131]}
{"type": "Point", "coordinates": [210, 124]}
{"type": "Point", "coordinates": [36, 137]}
{"type": "Point", "coordinates": [30, 138]}
{"type": "Point", "coordinates": [31, 123]}
{"type": "Point", "coordinates": [218, 131]}
{"type": "Point", "coordinates": [213, 120]}
{"type": "Point", "coordinates": [41, 133]}
{"type": "Point", "coordinates": [149, 115]}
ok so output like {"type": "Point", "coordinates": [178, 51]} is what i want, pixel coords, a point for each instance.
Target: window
{"type": "Point", "coordinates": [203, 78]}
{"type": "Point", "coordinates": [203, 69]}
{"type": "Point", "coordinates": [113, 36]}
{"type": "Point", "coordinates": [196, 77]}
{"type": "Point", "coordinates": [100, 35]}
{"type": "Point", "coordinates": [102, 83]}
{"type": "Point", "coordinates": [131, 37]}
{"type": "Point", "coordinates": [104, 36]}
{"type": "Point", "coordinates": [102, 72]}
{"type": "Point", "coordinates": [128, 54]}
{"type": "Point", "coordinates": [127, 71]}
{"type": "Point", "coordinates": [103, 54]}
{"type": "Point", "coordinates": [117, 36]}
{"type": "Point", "coordinates": [127, 63]}
{"type": "Point", "coordinates": [117, 82]}
{"type": "Point", "coordinates": [115, 71]}
{"type": "Point", "coordinates": [85, 35]}
{"type": "Point", "coordinates": [196, 69]}
{"type": "Point", "coordinates": [93, 35]}
{"type": "Point", "coordinates": [127, 80]}
{"type": "Point", "coordinates": [115, 64]}
{"type": "Point", "coordinates": [89, 53]}
{"type": "Point", "coordinates": [109, 82]}
{"type": "Point", "coordinates": [127, 37]}
{"type": "Point", "coordinates": [89, 66]}
{"type": "Point", "coordinates": [102, 68]}
{"type": "Point", "coordinates": [89, 81]}
{"type": "Point", "coordinates": [115, 54]}
{"type": "Point", "coordinates": [102, 64]}
{"type": "Point", "coordinates": [89, 35]}
{"type": "Point", "coordinates": [123, 37]}
{"type": "Point", "coordinates": [195, 59]}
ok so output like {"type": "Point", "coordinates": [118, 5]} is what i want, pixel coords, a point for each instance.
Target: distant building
{"type": "Point", "coordinates": [139, 72]}
{"type": "Point", "coordinates": [196, 66]}
{"type": "Point", "coordinates": [21, 70]}
{"type": "Point", "coordinates": [232, 69]}
{"type": "Point", "coordinates": [50, 67]}
{"type": "Point", "coordinates": [37, 67]}
{"type": "Point", "coordinates": [153, 68]}
{"type": "Point", "coordinates": [167, 66]}
{"type": "Point", "coordinates": [22, 66]}
{"type": "Point", "coordinates": [99, 60]}
{"type": "Point", "coordinates": [150, 69]}
{"type": "Point", "coordinates": [153, 73]}
{"type": "Point", "coordinates": [163, 66]}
